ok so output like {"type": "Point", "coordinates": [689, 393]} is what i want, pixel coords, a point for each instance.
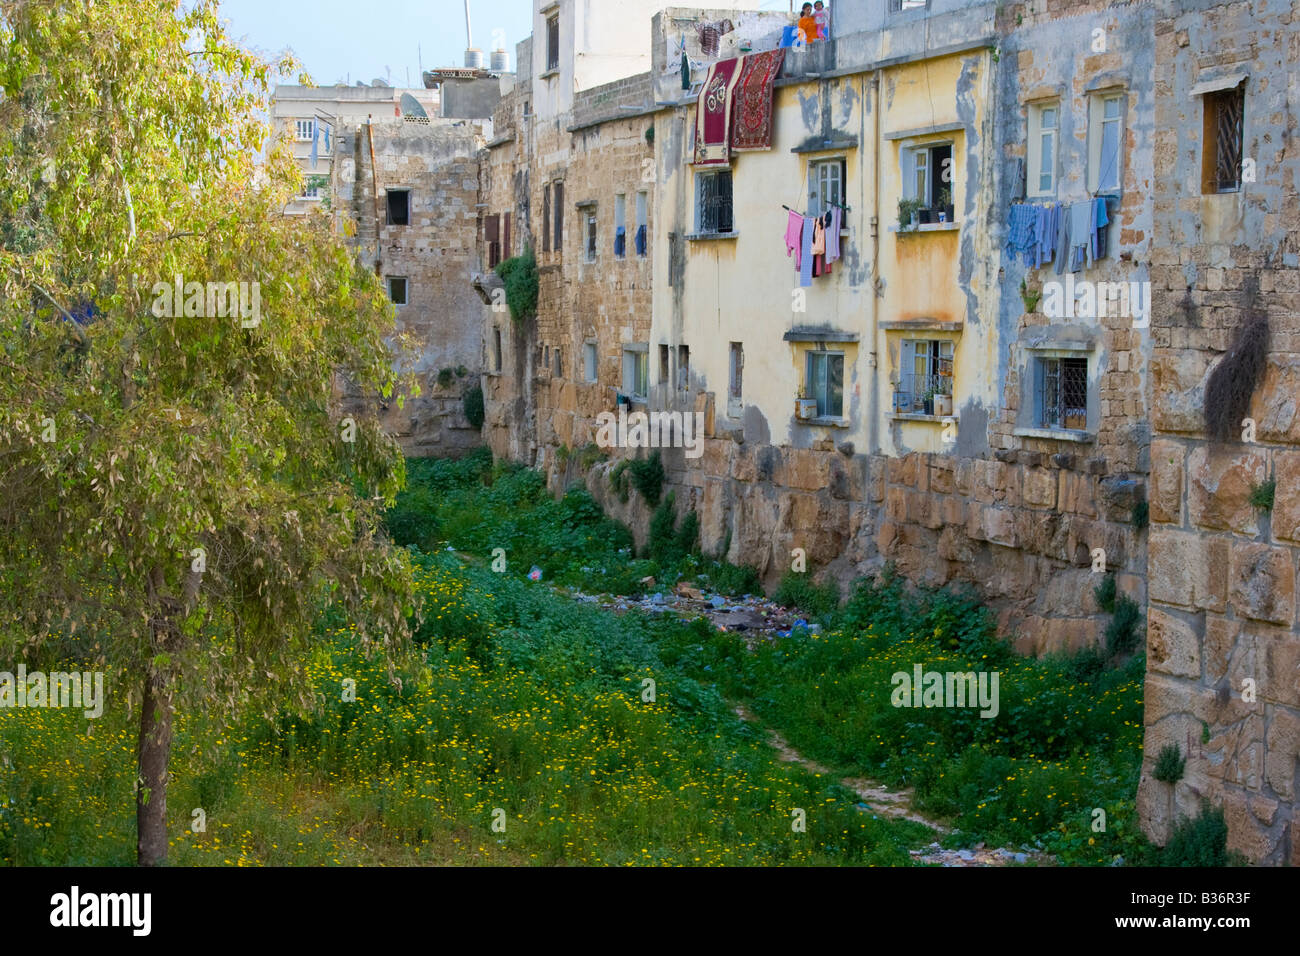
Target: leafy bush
{"type": "Point", "coordinates": [661, 543]}
{"type": "Point", "coordinates": [1199, 841]}
{"type": "Point", "coordinates": [1170, 764]}
{"type": "Point", "coordinates": [519, 273]}
{"type": "Point", "coordinates": [800, 591]}
{"type": "Point", "coordinates": [688, 535]}
{"type": "Point", "coordinates": [648, 477]}
{"type": "Point", "coordinates": [475, 412]}
{"type": "Point", "coordinates": [1141, 516]}
{"type": "Point", "coordinates": [445, 377]}
{"type": "Point", "coordinates": [1105, 594]}
{"type": "Point", "coordinates": [1122, 632]}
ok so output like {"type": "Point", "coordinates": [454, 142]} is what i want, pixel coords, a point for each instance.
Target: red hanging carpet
{"type": "Point", "coordinates": [713, 114]}
{"type": "Point", "coordinates": [751, 125]}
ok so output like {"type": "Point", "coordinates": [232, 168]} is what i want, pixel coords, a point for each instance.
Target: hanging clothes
{"type": "Point", "coordinates": [819, 237]}
{"type": "Point", "coordinates": [709, 35]}
{"type": "Point", "coordinates": [640, 240]}
{"type": "Point", "coordinates": [620, 242]}
{"type": "Point", "coordinates": [836, 217]}
{"type": "Point", "coordinates": [794, 237]}
{"type": "Point", "coordinates": [1081, 233]}
{"type": "Point", "coordinates": [806, 255]}
{"type": "Point", "coordinates": [686, 71]}
{"type": "Point", "coordinates": [1099, 222]}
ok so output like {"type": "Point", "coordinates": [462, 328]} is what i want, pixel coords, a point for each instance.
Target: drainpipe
{"type": "Point", "coordinates": [374, 188]}
{"type": "Point", "coordinates": [875, 265]}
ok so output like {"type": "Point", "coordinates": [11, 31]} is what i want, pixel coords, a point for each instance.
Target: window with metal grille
{"type": "Point", "coordinates": [591, 237]}
{"type": "Point", "coordinates": [826, 186]}
{"type": "Point", "coordinates": [925, 369]}
{"type": "Point", "coordinates": [553, 43]}
{"type": "Point", "coordinates": [713, 202]}
{"type": "Point", "coordinates": [1062, 393]}
{"type": "Point", "coordinates": [824, 381]}
{"type": "Point", "coordinates": [1223, 133]}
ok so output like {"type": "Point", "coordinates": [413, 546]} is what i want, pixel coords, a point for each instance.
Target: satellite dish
{"type": "Point", "coordinates": [411, 106]}
{"type": "Point", "coordinates": [378, 82]}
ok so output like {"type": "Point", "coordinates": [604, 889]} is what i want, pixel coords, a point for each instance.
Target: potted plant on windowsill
{"type": "Point", "coordinates": [925, 215]}
{"type": "Point", "coordinates": [928, 400]}
{"type": "Point", "coordinates": [945, 205]}
{"type": "Point", "coordinates": [943, 397]}
{"type": "Point", "coordinates": [908, 210]}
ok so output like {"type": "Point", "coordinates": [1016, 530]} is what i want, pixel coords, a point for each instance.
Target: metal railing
{"type": "Point", "coordinates": [911, 390]}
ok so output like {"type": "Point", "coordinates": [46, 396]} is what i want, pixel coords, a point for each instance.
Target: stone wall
{"type": "Point", "coordinates": [1223, 670]}
{"type": "Point", "coordinates": [438, 162]}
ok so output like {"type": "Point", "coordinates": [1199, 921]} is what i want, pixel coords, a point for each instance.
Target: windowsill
{"type": "Point", "coordinates": [922, 417]}
{"type": "Point", "coordinates": [1055, 434]}
{"type": "Point", "coordinates": [708, 236]}
{"type": "Point", "coordinates": [493, 373]}
{"type": "Point", "coordinates": [926, 227]}
{"type": "Point", "coordinates": [549, 74]}
{"type": "Point", "coordinates": [825, 421]}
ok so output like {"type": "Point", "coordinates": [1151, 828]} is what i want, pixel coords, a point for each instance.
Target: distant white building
{"type": "Point", "coordinates": [310, 118]}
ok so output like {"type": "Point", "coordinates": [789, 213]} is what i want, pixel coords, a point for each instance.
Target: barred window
{"type": "Point", "coordinates": [713, 206]}
{"type": "Point", "coordinates": [1062, 393]}
{"type": "Point", "coordinates": [1224, 130]}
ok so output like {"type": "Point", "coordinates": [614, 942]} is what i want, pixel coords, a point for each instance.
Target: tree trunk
{"type": "Point", "coordinates": [151, 787]}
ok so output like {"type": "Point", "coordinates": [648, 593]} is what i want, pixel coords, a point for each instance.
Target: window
{"type": "Point", "coordinates": [399, 207]}
{"type": "Point", "coordinates": [311, 187]}
{"type": "Point", "coordinates": [304, 130]}
{"type": "Point", "coordinates": [1061, 393]}
{"type": "Point", "coordinates": [737, 370]}
{"type": "Point", "coordinates": [664, 357]}
{"type": "Point", "coordinates": [1044, 125]}
{"type": "Point", "coordinates": [898, 6]}
{"type": "Point", "coordinates": [397, 290]}
{"type": "Point", "coordinates": [620, 225]}
{"type": "Point", "coordinates": [496, 350]}
{"type": "Point", "coordinates": [590, 254]}
{"type": "Point", "coordinates": [824, 381]}
{"type": "Point", "coordinates": [683, 366]}
{"type": "Point", "coordinates": [558, 238]}
{"type": "Point", "coordinates": [546, 218]}
{"type": "Point", "coordinates": [589, 361]}
{"type": "Point", "coordinates": [1105, 139]}
{"type": "Point", "coordinates": [825, 186]}
{"type": "Point", "coordinates": [492, 237]}
{"type": "Point", "coordinates": [927, 174]}
{"type": "Point", "coordinates": [1222, 135]}
{"type": "Point", "coordinates": [559, 363]}
{"type": "Point", "coordinates": [636, 371]}
{"type": "Point", "coordinates": [925, 370]}
{"type": "Point", "coordinates": [642, 220]}
{"type": "Point", "coordinates": [553, 43]}
{"type": "Point", "coordinates": [713, 202]}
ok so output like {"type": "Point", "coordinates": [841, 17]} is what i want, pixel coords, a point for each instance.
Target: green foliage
{"type": "Point", "coordinates": [132, 139]}
{"type": "Point", "coordinates": [648, 477]}
{"type": "Point", "coordinates": [1141, 516]}
{"type": "Point", "coordinates": [1170, 763]}
{"type": "Point", "coordinates": [661, 542]}
{"type": "Point", "coordinates": [519, 273]}
{"type": "Point", "coordinates": [589, 455]}
{"type": "Point", "coordinates": [1105, 594]}
{"type": "Point", "coordinates": [688, 535]}
{"type": "Point", "coordinates": [907, 208]}
{"type": "Point", "coordinates": [1124, 628]}
{"type": "Point", "coordinates": [475, 413]}
{"type": "Point", "coordinates": [619, 480]}
{"type": "Point", "coordinates": [1199, 841]}
{"type": "Point", "coordinates": [446, 377]}
{"type": "Point", "coordinates": [800, 591]}
{"type": "Point", "coordinates": [1262, 495]}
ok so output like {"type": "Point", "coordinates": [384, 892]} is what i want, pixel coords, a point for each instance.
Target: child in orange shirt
{"type": "Point", "coordinates": [807, 24]}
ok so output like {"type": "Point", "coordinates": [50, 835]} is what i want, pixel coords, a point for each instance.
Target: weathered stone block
{"type": "Point", "coordinates": [1281, 750]}
{"type": "Point", "coordinates": [1263, 583]}
{"type": "Point", "coordinates": [1040, 488]}
{"type": "Point", "coordinates": [1166, 482]}
{"type": "Point", "coordinates": [1173, 644]}
{"type": "Point", "coordinates": [1218, 488]}
{"type": "Point", "coordinates": [1286, 505]}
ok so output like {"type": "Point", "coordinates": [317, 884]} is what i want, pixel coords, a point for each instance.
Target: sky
{"type": "Point", "coordinates": [353, 40]}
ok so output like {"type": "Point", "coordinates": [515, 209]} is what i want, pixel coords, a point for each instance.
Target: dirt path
{"type": "Point", "coordinates": [897, 805]}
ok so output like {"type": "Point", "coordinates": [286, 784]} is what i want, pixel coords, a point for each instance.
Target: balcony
{"type": "Point", "coordinates": [923, 395]}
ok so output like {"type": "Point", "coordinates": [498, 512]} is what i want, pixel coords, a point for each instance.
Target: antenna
{"type": "Point", "coordinates": [469, 35]}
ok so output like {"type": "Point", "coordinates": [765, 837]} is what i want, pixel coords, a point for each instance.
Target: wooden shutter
{"type": "Point", "coordinates": [506, 248]}
{"type": "Point", "coordinates": [559, 217]}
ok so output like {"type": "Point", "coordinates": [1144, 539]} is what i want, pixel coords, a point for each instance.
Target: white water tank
{"type": "Point", "coordinates": [473, 59]}
{"type": "Point", "coordinates": [500, 61]}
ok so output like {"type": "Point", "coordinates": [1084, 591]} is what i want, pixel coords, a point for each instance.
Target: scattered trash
{"type": "Point", "coordinates": [535, 574]}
